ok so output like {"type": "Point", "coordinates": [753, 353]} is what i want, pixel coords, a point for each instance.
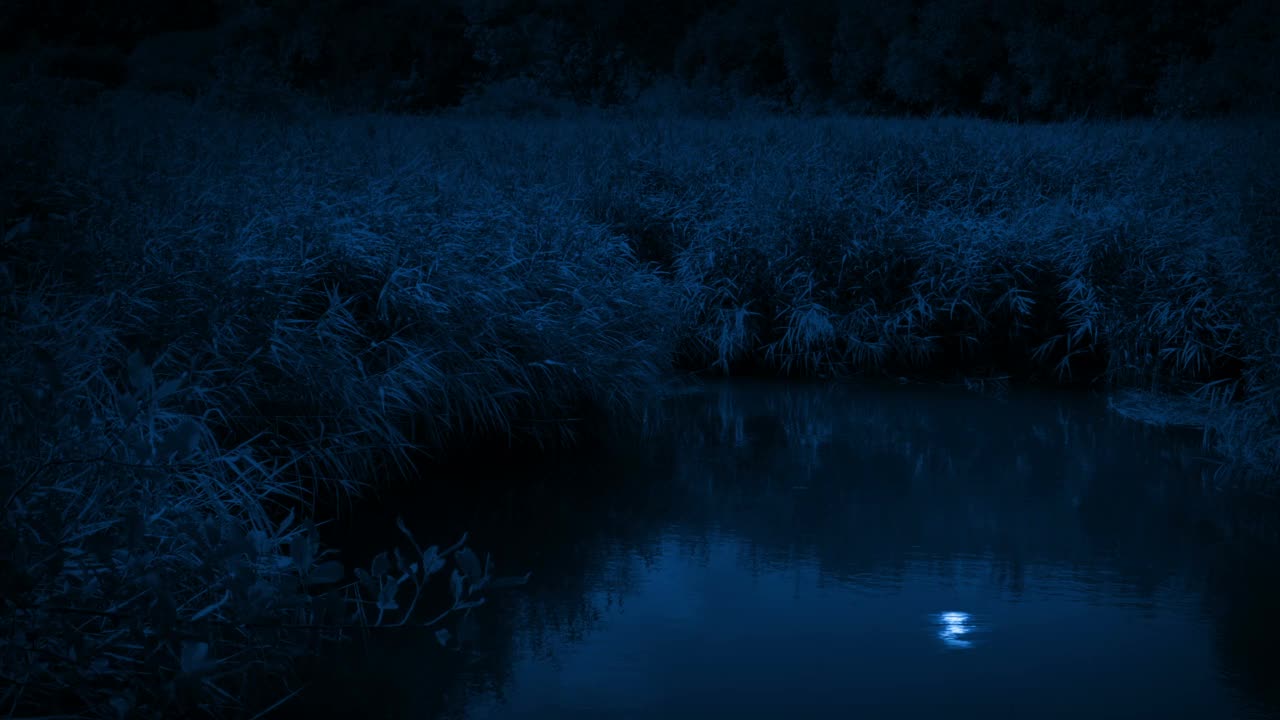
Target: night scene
{"type": "Point", "coordinates": [640, 359]}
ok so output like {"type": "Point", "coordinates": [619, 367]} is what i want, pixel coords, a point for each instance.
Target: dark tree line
{"type": "Point", "coordinates": [997, 58]}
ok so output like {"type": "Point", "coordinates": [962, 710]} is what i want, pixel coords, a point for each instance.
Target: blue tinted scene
{"type": "Point", "coordinates": [800, 550]}
{"type": "Point", "coordinates": [450, 359]}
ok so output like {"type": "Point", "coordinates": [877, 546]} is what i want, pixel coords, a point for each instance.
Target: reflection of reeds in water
{"type": "Point", "coordinates": [924, 427]}
{"type": "Point", "coordinates": [1160, 409]}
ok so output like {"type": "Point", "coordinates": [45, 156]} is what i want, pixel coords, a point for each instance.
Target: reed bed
{"type": "Point", "coordinates": [214, 320]}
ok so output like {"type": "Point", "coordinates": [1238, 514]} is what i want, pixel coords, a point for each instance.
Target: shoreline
{"type": "Point", "coordinates": [214, 319]}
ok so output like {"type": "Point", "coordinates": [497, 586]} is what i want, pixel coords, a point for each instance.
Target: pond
{"type": "Point", "coordinates": [773, 550]}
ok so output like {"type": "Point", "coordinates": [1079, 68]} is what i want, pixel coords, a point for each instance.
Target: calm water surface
{"type": "Point", "coordinates": [782, 550]}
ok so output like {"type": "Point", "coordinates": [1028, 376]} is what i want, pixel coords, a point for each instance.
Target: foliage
{"type": "Point", "coordinates": [145, 574]}
{"type": "Point", "coordinates": [1007, 60]}
{"type": "Point", "coordinates": [212, 320]}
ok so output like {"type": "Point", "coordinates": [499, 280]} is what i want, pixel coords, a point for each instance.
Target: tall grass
{"type": "Point", "coordinates": [214, 319]}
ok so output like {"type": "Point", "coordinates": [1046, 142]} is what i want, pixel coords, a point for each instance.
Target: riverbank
{"type": "Point", "coordinates": [213, 320]}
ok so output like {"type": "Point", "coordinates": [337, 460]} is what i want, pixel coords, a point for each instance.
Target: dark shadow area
{"type": "Point", "coordinates": [1010, 61]}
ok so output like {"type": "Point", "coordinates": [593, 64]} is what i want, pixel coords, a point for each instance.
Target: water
{"type": "Point", "coordinates": [780, 550]}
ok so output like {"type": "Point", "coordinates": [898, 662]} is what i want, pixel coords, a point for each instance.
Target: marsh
{"type": "Point", "coordinates": [857, 549]}
{"type": "Point", "coordinates": [228, 327]}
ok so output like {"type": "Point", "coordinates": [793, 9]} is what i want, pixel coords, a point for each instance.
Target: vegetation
{"type": "Point", "coordinates": [1048, 60]}
{"type": "Point", "coordinates": [216, 321]}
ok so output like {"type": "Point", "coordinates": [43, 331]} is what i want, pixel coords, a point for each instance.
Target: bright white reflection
{"type": "Point", "coordinates": [953, 627]}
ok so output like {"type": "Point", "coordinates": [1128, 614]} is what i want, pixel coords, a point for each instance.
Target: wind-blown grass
{"type": "Point", "coordinates": [212, 319]}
